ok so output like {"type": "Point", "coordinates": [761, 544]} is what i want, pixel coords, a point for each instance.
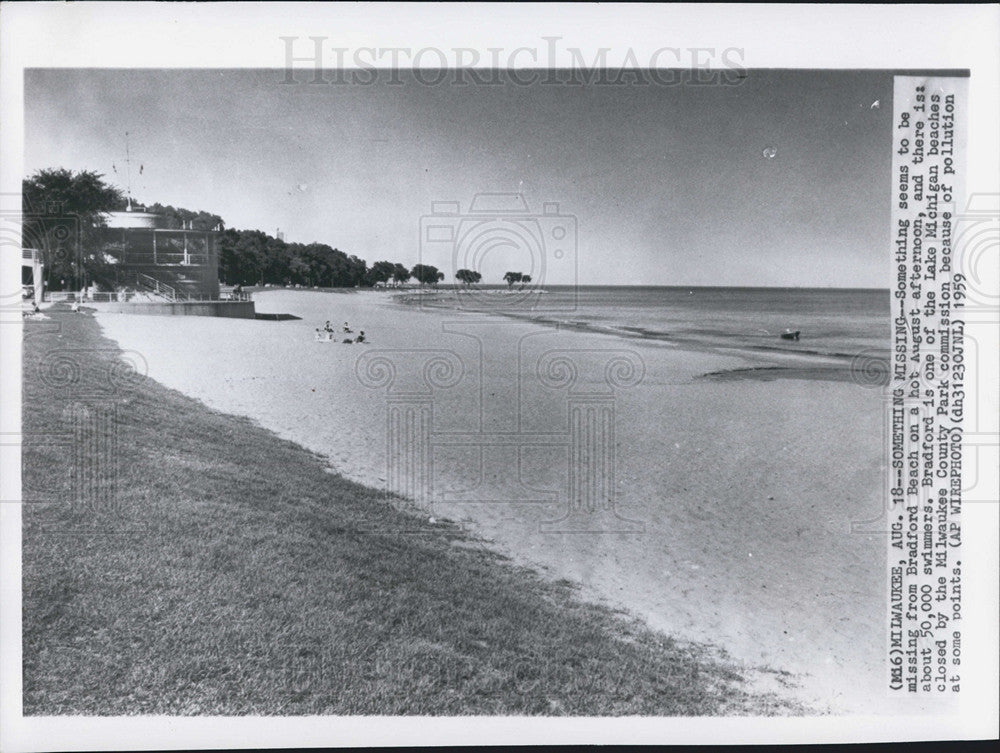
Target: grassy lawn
{"type": "Point", "coordinates": [213, 568]}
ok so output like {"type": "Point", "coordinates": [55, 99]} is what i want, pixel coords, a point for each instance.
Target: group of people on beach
{"type": "Point", "coordinates": [328, 328]}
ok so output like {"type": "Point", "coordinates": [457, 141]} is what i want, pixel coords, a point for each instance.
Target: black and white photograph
{"type": "Point", "coordinates": [621, 383]}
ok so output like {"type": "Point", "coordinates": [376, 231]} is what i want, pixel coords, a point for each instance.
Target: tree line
{"type": "Point", "coordinates": [64, 214]}
{"type": "Point", "coordinates": [63, 217]}
{"type": "Point", "coordinates": [252, 257]}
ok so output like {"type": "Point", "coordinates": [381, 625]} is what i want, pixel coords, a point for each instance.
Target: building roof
{"type": "Point", "coordinates": [131, 219]}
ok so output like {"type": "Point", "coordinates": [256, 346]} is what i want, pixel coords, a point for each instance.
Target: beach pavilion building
{"type": "Point", "coordinates": [143, 254]}
{"type": "Point", "coordinates": [152, 268]}
{"type": "Point", "coordinates": [170, 263]}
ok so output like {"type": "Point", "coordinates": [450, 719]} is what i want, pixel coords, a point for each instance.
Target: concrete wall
{"type": "Point", "coordinates": [232, 309]}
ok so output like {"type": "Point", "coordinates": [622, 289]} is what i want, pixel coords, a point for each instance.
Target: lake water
{"type": "Point", "coordinates": [831, 321]}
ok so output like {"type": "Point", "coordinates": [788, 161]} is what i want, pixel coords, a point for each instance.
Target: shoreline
{"type": "Point", "coordinates": [833, 366]}
{"type": "Point", "coordinates": [745, 494]}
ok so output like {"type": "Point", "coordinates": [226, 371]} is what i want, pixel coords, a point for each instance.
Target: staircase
{"type": "Point", "coordinates": [163, 284]}
{"type": "Point", "coordinates": [154, 287]}
{"type": "Point", "coordinates": [184, 289]}
{"type": "Point", "coordinates": [177, 283]}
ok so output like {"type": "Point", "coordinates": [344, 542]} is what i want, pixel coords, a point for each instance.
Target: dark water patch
{"type": "Point", "coordinates": [772, 373]}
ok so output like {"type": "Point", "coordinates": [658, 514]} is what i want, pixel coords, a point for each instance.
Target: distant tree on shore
{"type": "Point", "coordinates": [400, 274]}
{"type": "Point", "coordinates": [525, 279]}
{"type": "Point", "coordinates": [468, 277]}
{"type": "Point", "coordinates": [511, 277]}
{"type": "Point", "coordinates": [381, 272]}
{"type": "Point", "coordinates": [426, 274]}
{"type": "Point", "coordinates": [63, 216]}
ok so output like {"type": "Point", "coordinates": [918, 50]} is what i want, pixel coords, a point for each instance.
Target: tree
{"type": "Point", "coordinates": [357, 270]}
{"type": "Point", "coordinates": [400, 274]}
{"type": "Point", "coordinates": [311, 264]}
{"type": "Point", "coordinates": [254, 257]}
{"type": "Point", "coordinates": [234, 266]}
{"type": "Point", "coordinates": [426, 274]}
{"type": "Point", "coordinates": [381, 271]}
{"type": "Point", "coordinates": [468, 276]}
{"type": "Point", "coordinates": [300, 272]}
{"type": "Point", "coordinates": [245, 251]}
{"type": "Point", "coordinates": [177, 217]}
{"type": "Point", "coordinates": [63, 216]}
{"type": "Point", "coordinates": [277, 260]}
{"type": "Point", "coordinates": [511, 277]}
{"type": "Point", "coordinates": [525, 279]}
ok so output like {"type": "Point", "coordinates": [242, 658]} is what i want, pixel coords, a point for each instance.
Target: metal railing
{"type": "Point", "coordinates": [233, 296]}
{"type": "Point", "coordinates": [129, 296]}
{"type": "Point", "coordinates": [164, 258]}
{"type": "Point", "coordinates": [152, 285]}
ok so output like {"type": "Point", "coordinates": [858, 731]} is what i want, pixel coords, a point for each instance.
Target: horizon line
{"type": "Point", "coordinates": [681, 285]}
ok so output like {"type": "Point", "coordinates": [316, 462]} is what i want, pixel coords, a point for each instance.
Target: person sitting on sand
{"type": "Point", "coordinates": [361, 337]}
{"type": "Point", "coordinates": [347, 328]}
{"type": "Point", "coordinates": [328, 327]}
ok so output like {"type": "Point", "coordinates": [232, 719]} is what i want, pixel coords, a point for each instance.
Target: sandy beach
{"type": "Point", "coordinates": [743, 490]}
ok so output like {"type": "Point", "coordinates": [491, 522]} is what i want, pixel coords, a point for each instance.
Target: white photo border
{"type": "Point", "coordinates": [235, 35]}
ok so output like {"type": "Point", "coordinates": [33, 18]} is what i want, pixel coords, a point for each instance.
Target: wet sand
{"type": "Point", "coordinates": [741, 492]}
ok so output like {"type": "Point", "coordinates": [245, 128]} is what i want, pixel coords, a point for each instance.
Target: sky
{"type": "Point", "coordinates": [783, 180]}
